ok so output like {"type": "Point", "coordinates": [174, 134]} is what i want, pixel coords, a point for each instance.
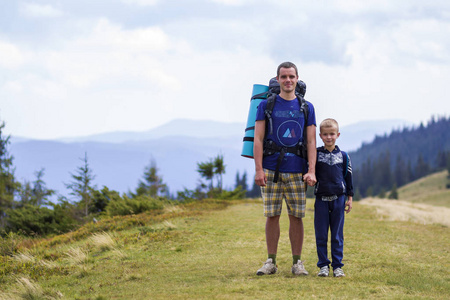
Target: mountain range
{"type": "Point", "coordinates": [118, 159]}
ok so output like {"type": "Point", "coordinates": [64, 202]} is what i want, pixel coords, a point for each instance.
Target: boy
{"type": "Point", "coordinates": [334, 183]}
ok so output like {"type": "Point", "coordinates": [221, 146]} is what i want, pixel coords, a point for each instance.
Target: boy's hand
{"type": "Point", "coordinates": [348, 204]}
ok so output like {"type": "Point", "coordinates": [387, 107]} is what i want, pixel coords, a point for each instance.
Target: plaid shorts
{"type": "Point", "coordinates": [291, 187]}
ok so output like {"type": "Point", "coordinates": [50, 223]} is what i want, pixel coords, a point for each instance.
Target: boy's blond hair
{"type": "Point", "coordinates": [327, 123]}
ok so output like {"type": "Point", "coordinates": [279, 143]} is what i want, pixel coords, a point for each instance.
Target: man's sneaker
{"type": "Point", "coordinates": [338, 272]}
{"type": "Point", "coordinates": [299, 269]}
{"type": "Point", "coordinates": [268, 268]}
{"type": "Point", "coordinates": [324, 272]}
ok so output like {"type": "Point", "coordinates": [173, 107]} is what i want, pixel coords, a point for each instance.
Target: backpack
{"type": "Point", "coordinates": [270, 147]}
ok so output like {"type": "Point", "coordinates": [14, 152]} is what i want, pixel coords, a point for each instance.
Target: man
{"type": "Point", "coordinates": [291, 171]}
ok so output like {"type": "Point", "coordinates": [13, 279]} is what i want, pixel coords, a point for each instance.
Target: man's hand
{"type": "Point", "coordinates": [260, 178]}
{"type": "Point", "coordinates": [310, 178]}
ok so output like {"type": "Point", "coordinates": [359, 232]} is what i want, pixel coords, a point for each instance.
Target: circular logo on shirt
{"type": "Point", "coordinates": [289, 132]}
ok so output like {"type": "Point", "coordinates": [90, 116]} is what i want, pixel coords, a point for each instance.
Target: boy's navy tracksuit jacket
{"type": "Point", "coordinates": [330, 171]}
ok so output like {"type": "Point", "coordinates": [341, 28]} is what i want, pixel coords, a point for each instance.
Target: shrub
{"type": "Point", "coordinates": [238, 193]}
{"type": "Point", "coordinates": [129, 206]}
{"type": "Point", "coordinates": [40, 220]}
{"type": "Point", "coordinates": [189, 195]}
{"type": "Point", "coordinates": [101, 199]}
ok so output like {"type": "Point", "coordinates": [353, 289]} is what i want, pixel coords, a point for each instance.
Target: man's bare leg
{"type": "Point", "coordinates": [272, 234]}
{"type": "Point", "coordinates": [296, 233]}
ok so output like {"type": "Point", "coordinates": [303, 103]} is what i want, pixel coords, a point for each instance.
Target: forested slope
{"type": "Point", "coordinates": [402, 156]}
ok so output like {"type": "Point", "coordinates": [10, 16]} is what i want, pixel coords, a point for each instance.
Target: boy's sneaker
{"type": "Point", "coordinates": [299, 269]}
{"type": "Point", "coordinates": [324, 272]}
{"type": "Point", "coordinates": [268, 268]}
{"type": "Point", "coordinates": [338, 272]}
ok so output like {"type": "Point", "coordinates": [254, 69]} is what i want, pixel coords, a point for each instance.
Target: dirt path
{"type": "Point", "coordinates": [407, 211]}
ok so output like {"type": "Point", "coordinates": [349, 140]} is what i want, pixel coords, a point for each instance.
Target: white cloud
{"type": "Point", "coordinates": [107, 36]}
{"type": "Point", "coordinates": [13, 86]}
{"type": "Point", "coordinates": [11, 55]}
{"type": "Point", "coordinates": [40, 11]}
{"type": "Point", "coordinates": [108, 76]}
{"type": "Point", "coordinates": [426, 38]}
{"type": "Point", "coordinates": [122, 76]}
{"type": "Point", "coordinates": [233, 2]}
{"type": "Point", "coordinates": [402, 43]}
{"type": "Point", "coordinates": [141, 2]}
{"type": "Point", "coordinates": [108, 54]}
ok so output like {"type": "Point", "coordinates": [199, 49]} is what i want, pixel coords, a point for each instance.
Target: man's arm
{"type": "Point", "coordinates": [310, 177]}
{"type": "Point", "coordinates": [260, 128]}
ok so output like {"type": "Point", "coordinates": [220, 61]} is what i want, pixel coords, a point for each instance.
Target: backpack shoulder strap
{"type": "Point", "coordinates": [268, 112]}
{"type": "Point", "coordinates": [305, 109]}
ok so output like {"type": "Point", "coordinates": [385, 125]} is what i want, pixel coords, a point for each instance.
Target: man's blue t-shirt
{"type": "Point", "coordinates": [288, 122]}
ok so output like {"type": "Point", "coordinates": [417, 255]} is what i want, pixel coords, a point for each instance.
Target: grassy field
{"type": "Point", "coordinates": [424, 201]}
{"type": "Point", "coordinates": [428, 190]}
{"type": "Point", "coordinates": [212, 251]}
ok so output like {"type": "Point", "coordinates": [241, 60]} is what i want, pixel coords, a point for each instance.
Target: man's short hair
{"type": "Point", "coordinates": [287, 65]}
{"type": "Point", "coordinates": [327, 123]}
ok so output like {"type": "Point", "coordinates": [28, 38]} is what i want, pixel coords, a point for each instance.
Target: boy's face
{"type": "Point", "coordinates": [329, 136]}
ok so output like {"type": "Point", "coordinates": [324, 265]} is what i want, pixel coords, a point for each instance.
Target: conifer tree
{"type": "Point", "coordinates": [35, 193]}
{"type": "Point", "coordinates": [244, 181]}
{"type": "Point", "coordinates": [409, 172]}
{"type": "Point", "coordinates": [241, 181]}
{"type": "Point", "coordinates": [394, 193]}
{"type": "Point", "coordinates": [382, 171]}
{"type": "Point", "coordinates": [25, 194]}
{"type": "Point", "coordinates": [237, 180]}
{"type": "Point", "coordinates": [152, 183]}
{"type": "Point", "coordinates": [441, 159]}
{"type": "Point", "coordinates": [40, 190]}
{"type": "Point", "coordinates": [448, 172]}
{"type": "Point", "coordinates": [81, 185]}
{"type": "Point", "coordinates": [422, 168]}
{"type": "Point", "coordinates": [255, 192]}
{"type": "Point", "coordinates": [8, 185]}
{"type": "Point", "coordinates": [401, 172]}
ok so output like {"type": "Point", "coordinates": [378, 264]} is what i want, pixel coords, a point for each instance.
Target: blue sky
{"type": "Point", "coordinates": [73, 68]}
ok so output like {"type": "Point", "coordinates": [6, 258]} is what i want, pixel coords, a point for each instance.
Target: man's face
{"type": "Point", "coordinates": [287, 79]}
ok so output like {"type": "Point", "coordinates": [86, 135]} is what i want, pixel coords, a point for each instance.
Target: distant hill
{"type": "Point", "coordinates": [431, 189]}
{"type": "Point", "coordinates": [118, 159]}
{"type": "Point", "coordinates": [179, 127]}
{"type": "Point", "coordinates": [352, 136]}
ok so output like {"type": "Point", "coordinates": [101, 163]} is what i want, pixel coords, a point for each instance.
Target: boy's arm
{"type": "Point", "coordinates": [349, 184]}
{"type": "Point", "coordinates": [349, 178]}
{"type": "Point", "coordinates": [260, 176]}
{"type": "Point", "coordinates": [310, 177]}
{"type": "Point", "coordinates": [349, 204]}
